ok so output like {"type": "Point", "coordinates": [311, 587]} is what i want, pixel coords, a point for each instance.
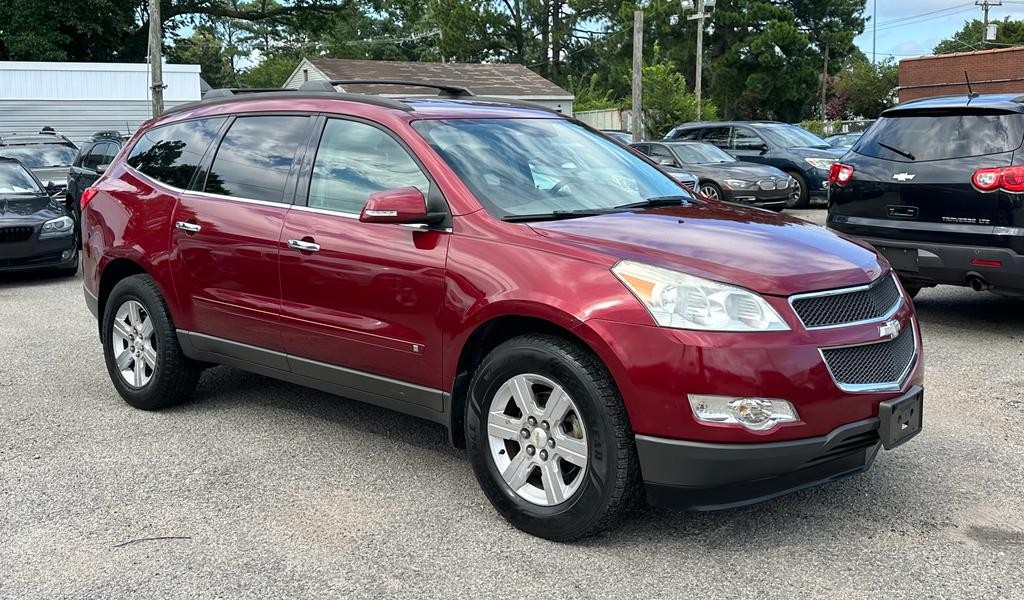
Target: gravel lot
{"type": "Point", "coordinates": [263, 489]}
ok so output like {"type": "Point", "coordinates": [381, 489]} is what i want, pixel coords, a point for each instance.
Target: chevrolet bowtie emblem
{"type": "Point", "coordinates": [903, 177]}
{"type": "Point", "coordinates": [889, 329]}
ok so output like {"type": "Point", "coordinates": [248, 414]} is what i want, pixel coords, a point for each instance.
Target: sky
{"type": "Point", "coordinates": [913, 27]}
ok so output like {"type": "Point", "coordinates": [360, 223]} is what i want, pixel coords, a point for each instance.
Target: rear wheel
{"type": "Point", "coordinates": [140, 347]}
{"type": "Point", "coordinates": [549, 438]}
{"type": "Point", "coordinates": [800, 196]}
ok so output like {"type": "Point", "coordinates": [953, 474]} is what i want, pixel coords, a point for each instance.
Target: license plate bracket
{"type": "Point", "coordinates": [902, 259]}
{"type": "Point", "coordinates": [901, 419]}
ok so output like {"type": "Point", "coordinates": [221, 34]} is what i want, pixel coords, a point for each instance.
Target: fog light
{"type": "Point", "coordinates": [65, 255]}
{"type": "Point", "coordinates": [753, 413]}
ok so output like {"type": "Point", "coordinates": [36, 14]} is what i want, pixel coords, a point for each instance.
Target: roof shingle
{"type": "Point", "coordinates": [481, 79]}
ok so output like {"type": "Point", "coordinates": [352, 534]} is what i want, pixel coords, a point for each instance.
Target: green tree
{"type": "Point", "coordinates": [67, 30]}
{"type": "Point", "coordinates": [868, 88]}
{"type": "Point", "coordinates": [205, 49]}
{"type": "Point", "coordinates": [666, 103]}
{"type": "Point", "coordinates": [970, 36]}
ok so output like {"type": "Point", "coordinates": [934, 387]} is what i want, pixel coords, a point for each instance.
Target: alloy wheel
{"type": "Point", "coordinates": [133, 343]}
{"type": "Point", "coordinates": [537, 439]}
{"type": "Point", "coordinates": [709, 191]}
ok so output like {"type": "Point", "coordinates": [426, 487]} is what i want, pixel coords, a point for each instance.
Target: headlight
{"type": "Point", "coordinates": [683, 301]}
{"type": "Point", "coordinates": [753, 413]}
{"type": "Point", "coordinates": [58, 227]}
{"type": "Point", "coordinates": [820, 163]}
{"type": "Point", "coordinates": [739, 184]}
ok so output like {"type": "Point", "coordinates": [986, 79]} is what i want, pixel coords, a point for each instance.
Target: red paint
{"type": "Point", "coordinates": [401, 303]}
{"type": "Point", "coordinates": [401, 205]}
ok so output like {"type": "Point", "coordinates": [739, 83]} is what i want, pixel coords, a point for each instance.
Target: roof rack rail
{"type": "Point", "coordinates": [449, 91]}
{"type": "Point", "coordinates": [225, 92]}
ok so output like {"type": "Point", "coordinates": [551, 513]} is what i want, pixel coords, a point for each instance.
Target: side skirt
{"type": "Point", "coordinates": [411, 399]}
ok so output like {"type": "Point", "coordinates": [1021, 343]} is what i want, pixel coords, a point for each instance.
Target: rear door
{"type": "Point", "coordinates": [912, 176]}
{"type": "Point", "coordinates": [368, 299]}
{"type": "Point", "coordinates": [748, 146]}
{"type": "Point", "coordinates": [224, 241]}
{"type": "Point", "coordinates": [717, 136]}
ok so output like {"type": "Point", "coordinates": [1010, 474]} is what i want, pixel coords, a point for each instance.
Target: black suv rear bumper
{"type": "Point", "coordinates": [702, 476]}
{"type": "Point", "coordinates": [930, 264]}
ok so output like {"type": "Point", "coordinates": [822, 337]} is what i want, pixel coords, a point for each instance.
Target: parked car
{"type": "Point", "coordinates": [794, 150]}
{"type": "Point", "coordinates": [721, 176]}
{"type": "Point", "coordinates": [36, 231]}
{"type": "Point", "coordinates": [936, 186]}
{"type": "Point", "coordinates": [844, 140]}
{"type": "Point", "coordinates": [623, 137]}
{"type": "Point", "coordinates": [688, 179]}
{"type": "Point", "coordinates": [47, 153]}
{"type": "Point", "coordinates": [93, 158]}
{"type": "Point", "coordinates": [577, 320]}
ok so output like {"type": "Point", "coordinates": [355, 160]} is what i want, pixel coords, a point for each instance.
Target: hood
{"type": "Point", "coordinates": [748, 247]}
{"type": "Point", "coordinates": [736, 170]}
{"type": "Point", "coordinates": [58, 175]}
{"type": "Point", "coordinates": [832, 153]}
{"type": "Point", "coordinates": [29, 209]}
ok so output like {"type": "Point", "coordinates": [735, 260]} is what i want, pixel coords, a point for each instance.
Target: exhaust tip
{"type": "Point", "coordinates": [978, 283]}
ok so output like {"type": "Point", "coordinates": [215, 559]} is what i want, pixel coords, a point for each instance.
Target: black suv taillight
{"type": "Point", "coordinates": [990, 179]}
{"type": "Point", "coordinates": [840, 174]}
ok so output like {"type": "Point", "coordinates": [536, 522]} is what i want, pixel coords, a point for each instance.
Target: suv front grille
{"type": "Point", "coordinates": [872, 366]}
{"type": "Point", "coordinates": [835, 308]}
{"type": "Point", "coordinates": [15, 234]}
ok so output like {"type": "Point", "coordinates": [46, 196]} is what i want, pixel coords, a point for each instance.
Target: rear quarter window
{"type": "Point", "coordinates": [942, 135]}
{"type": "Point", "coordinates": [172, 153]}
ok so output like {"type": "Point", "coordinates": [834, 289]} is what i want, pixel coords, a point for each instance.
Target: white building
{"type": "Point", "coordinates": [78, 99]}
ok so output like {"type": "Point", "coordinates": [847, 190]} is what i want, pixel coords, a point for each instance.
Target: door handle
{"type": "Point", "coordinates": [188, 227]}
{"type": "Point", "coordinates": [303, 246]}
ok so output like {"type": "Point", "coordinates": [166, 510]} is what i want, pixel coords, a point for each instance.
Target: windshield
{"type": "Point", "coordinates": [14, 179]}
{"type": "Point", "coordinates": [701, 154]}
{"type": "Point", "coordinates": [544, 166]}
{"type": "Point", "coordinates": [791, 136]}
{"type": "Point", "coordinates": [40, 156]}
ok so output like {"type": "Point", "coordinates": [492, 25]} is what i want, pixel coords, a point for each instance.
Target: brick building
{"type": "Point", "coordinates": [991, 71]}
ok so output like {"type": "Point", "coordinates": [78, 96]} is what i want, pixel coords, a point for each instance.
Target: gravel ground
{"type": "Point", "coordinates": [260, 489]}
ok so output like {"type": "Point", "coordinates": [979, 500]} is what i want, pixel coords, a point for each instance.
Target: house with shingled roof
{"type": "Point", "coordinates": [510, 81]}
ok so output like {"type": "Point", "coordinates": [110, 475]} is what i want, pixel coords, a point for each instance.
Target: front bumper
{"type": "Point", "coordinates": [32, 254]}
{"type": "Point", "coordinates": [930, 263]}
{"type": "Point", "coordinates": [703, 476]}
{"type": "Point", "coordinates": [758, 198]}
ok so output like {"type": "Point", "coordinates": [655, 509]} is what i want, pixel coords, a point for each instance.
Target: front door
{"type": "Point", "coordinates": [225, 238]}
{"type": "Point", "coordinates": [363, 309]}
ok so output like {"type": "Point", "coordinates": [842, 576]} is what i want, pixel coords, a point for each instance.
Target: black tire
{"type": "Point", "coordinates": [713, 191]}
{"type": "Point", "coordinates": [912, 289]}
{"type": "Point", "coordinates": [174, 376]}
{"type": "Point", "coordinates": [801, 199]}
{"type": "Point", "coordinates": [611, 483]}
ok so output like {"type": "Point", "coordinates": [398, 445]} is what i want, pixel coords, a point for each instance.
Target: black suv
{"type": "Point", "coordinates": [47, 153]}
{"type": "Point", "coordinates": [93, 158]}
{"type": "Point", "coordinates": [937, 185]}
{"type": "Point", "coordinates": [798, 152]}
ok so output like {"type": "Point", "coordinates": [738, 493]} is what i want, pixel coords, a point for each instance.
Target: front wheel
{"type": "Point", "coordinates": [549, 439]}
{"type": "Point", "coordinates": [711, 190]}
{"type": "Point", "coordinates": [800, 196]}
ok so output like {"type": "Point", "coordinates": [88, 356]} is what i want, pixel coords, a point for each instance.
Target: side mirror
{"type": "Point", "coordinates": [404, 205]}
{"type": "Point", "coordinates": [666, 162]}
{"type": "Point", "coordinates": [764, 148]}
{"type": "Point", "coordinates": [101, 169]}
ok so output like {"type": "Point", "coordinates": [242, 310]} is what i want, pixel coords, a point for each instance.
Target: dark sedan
{"type": "Point", "coordinates": [722, 176]}
{"type": "Point", "coordinates": [36, 231]}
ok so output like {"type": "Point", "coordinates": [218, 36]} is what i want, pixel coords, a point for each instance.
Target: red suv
{"type": "Point", "coordinates": [582, 324]}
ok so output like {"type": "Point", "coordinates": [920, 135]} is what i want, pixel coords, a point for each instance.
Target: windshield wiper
{"type": "Point", "coordinates": [556, 214]}
{"type": "Point", "coordinates": [902, 153]}
{"type": "Point", "coordinates": [657, 201]}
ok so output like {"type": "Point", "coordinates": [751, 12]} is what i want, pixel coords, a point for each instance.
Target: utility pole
{"type": "Point", "coordinates": [824, 85]}
{"type": "Point", "coordinates": [985, 4]}
{"type": "Point", "coordinates": [874, 30]}
{"type": "Point", "coordinates": [699, 70]}
{"type": "Point", "coordinates": [638, 72]}
{"type": "Point", "coordinates": [156, 75]}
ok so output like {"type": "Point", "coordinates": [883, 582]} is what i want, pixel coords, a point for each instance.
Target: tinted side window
{"type": "Point", "coordinates": [172, 153]}
{"type": "Point", "coordinates": [746, 139]}
{"type": "Point", "coordinates": [718, 136]}
{"type": "Point", "coordinates": [688, 135]}
{"type": "Point", "coordinates": [355, 160]}
{"type": "Point", "coordinates": [255, 157]}
{"type": "Point", "coordinates": [962, 134]}
{"type": "Point", "coordinates": [109, 153]}
{"type": "Point", "coordinates": [82, 154]}
{"type": "Point", "coordinates": [661, 153]}
{"type": "Point", "coordinates": [100, 154]}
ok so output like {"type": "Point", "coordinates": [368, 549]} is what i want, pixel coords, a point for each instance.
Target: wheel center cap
{"type": "Point", "coordinates": [539, 437]}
